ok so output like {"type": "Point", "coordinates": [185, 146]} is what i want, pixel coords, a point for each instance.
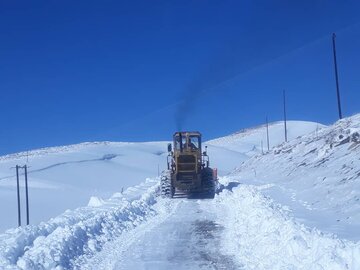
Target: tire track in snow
{"type": "Point", "coordinates": [189, 238]}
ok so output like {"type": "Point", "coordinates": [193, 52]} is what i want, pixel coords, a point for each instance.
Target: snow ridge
{"type": "Point", "coordinates": [262, 234]}
{"type": "Point", "coordinates": [57, 149]}
{"type": "Point", "coordinates": [55, 244]}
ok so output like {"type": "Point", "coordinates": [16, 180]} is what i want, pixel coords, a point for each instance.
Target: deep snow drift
{"type": "Point", "coordinates": [262, 234]}
{"type": "Point", "coordinates": [81, 232]}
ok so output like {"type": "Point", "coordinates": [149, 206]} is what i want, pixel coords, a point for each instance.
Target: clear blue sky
{"type": "Point", "coordinates": [74, 71]}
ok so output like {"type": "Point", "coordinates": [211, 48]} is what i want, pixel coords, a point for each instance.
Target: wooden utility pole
{"type": "Point", "coordinates": [267, 134]}
{"type": "Point", "coordinates": [336, 77]}
{"type": "Point", "coordinates": [26, 195]}
{"type": "Point", "coordinates": [18, 195]}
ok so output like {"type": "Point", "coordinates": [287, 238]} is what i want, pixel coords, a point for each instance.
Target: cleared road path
{"type": "Point", "coordinates": [185, 236]}
{"type": "Point", "coordinates": [188, 239]}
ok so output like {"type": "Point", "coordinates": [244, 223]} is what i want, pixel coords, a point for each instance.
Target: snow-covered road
{"type": "Point", "coordinates": [188, 239]}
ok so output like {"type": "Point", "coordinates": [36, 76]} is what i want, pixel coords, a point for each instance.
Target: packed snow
{"type": "Point", "coordinates": [295, 206]}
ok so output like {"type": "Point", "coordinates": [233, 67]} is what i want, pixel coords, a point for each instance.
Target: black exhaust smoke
{"type": "Point", "coordinates": [224, 67]}
{"type": "Point", "coordinates": [235, 59]}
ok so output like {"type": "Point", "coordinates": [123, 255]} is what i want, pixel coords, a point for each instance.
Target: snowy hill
{"type": "Point", "coordinates": [317, 175]}
{"type": "Point", "coordinates": [253, 140]}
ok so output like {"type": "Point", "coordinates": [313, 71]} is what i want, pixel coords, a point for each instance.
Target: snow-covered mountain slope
{"type": "Point", "coordinates": [316, 175]}
{"type": "Point", "coordinates": [254, 140]}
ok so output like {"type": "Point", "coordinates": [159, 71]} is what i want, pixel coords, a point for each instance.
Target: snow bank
{"type": "Point", "coordinates": [55, 244]}
{"type": "Point", "coordinates": [262, 235]}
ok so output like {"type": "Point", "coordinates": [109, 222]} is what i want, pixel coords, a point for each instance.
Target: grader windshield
{"type": "Point", "coordinates": [187, 141]}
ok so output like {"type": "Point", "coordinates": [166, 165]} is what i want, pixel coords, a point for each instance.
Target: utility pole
{"type": "Point", "coordinates": [18, 195]}
{"type": "Point", "coordinates": [336, 76]}
{"type": "Point", "coordinates": [26, 195]}
{"type": "Point", "coordinates": [284, 102]}
{"type": "Point", "coordinates": [267, 134]}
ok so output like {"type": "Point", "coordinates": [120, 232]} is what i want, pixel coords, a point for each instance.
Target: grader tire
{"type": "Point", "coordinates": [208, 183]}
{"type": "Point", "coordinates": [167, 191]}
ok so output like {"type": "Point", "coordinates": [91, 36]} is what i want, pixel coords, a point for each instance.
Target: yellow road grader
{"type": "Point", "coordinates": [188, 168]}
